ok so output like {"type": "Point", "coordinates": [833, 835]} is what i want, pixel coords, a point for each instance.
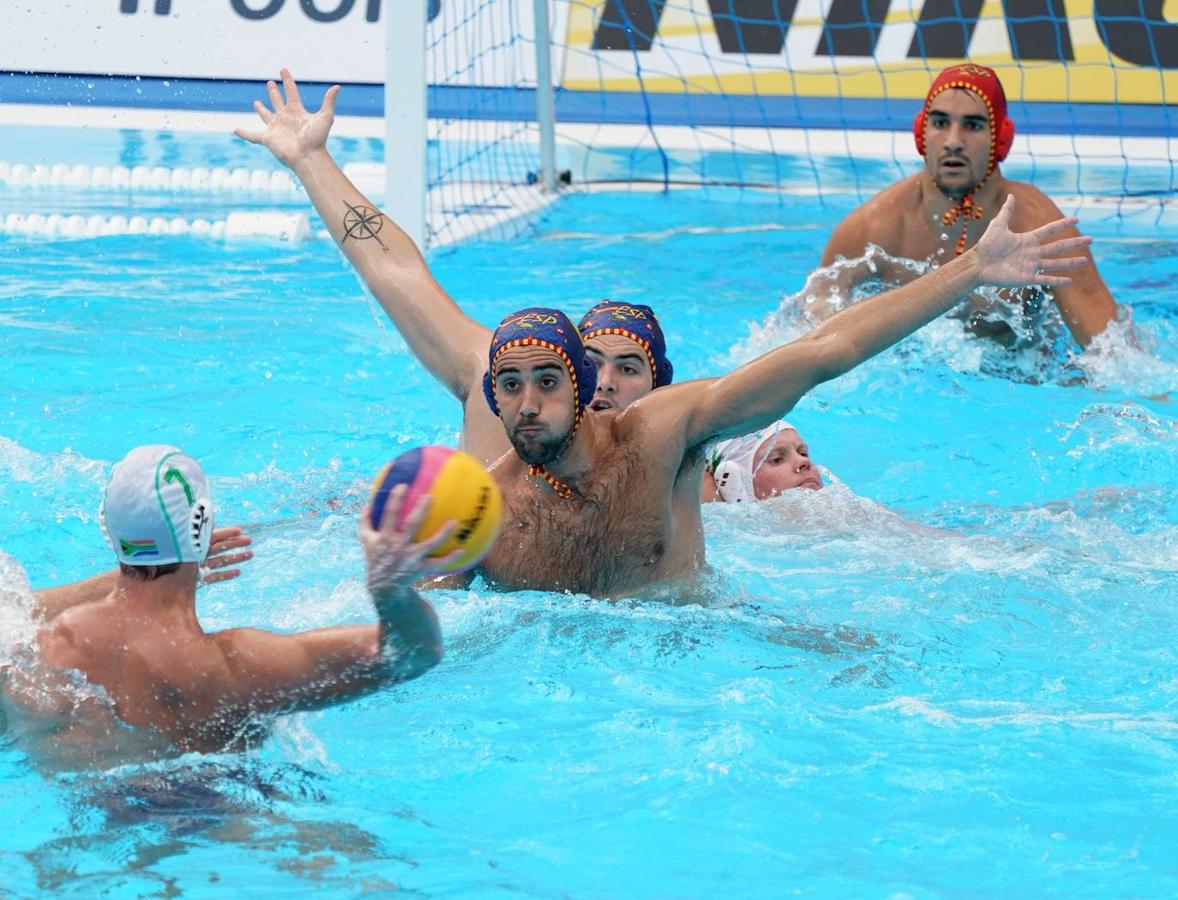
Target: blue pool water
{"type": "Point", "coordinates": [950, 672]}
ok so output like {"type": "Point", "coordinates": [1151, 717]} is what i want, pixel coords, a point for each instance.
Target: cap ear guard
{"type": "Point", "coordinates": [665, 375]}
{"type": "Point", "coordinates": [918, 131]}
{"type": "Point", "coordinates": [586, 384]}
{"type": "Point", "coordinates": [729, 482]}
{"type": "Point", "coordinates": [1004, 140]}
{"type": "Point", "coordinates": [489, 392]}
{"type": "Point", "coordinates": [200, 529]}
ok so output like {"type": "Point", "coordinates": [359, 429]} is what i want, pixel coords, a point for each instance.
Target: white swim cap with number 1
{"type": "Point", "coordinates": [156, 509]}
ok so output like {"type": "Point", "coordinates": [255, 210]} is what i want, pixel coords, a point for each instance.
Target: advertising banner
{"type": "Point", "coordinates": [1085, 51]}
{"type": "Point", "coordinates": [629, 59]}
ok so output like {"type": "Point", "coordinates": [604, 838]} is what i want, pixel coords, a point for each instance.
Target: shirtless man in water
{"type": "Point", "coordinates": [609, 503]}
{"type": "Point", "coordinates": [625, 341]}
{"type": "Point", "coordinates": [963, 133]}
{"type": "Point", "coordinates": [132, 674]}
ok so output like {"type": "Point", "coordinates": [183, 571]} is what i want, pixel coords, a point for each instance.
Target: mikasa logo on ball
{"type": "Point", "coordinates": [472, 522]}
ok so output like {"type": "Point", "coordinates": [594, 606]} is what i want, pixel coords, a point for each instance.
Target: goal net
{"type": "Point", "coordinates": [812, 96]}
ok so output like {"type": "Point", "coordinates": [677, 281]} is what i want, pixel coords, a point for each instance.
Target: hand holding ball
{"type": "Point", "coordinates": [460, 490]}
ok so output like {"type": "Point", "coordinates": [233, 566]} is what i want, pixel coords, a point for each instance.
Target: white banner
{"type": "Point", "coordinates": [318, 40]}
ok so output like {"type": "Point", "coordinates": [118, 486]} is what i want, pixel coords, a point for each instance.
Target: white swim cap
{"type": "Point", "coordinates": [156, 509]}
{"type": "Point", "coordinates": [732, 462]}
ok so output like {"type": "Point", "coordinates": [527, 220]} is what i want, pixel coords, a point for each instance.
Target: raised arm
{"type": "Point", "coordinates": [451, 345]}
{"type": "Point", "coordinates": [765, 389]}
{"type": "Point", "coordinates": [273, 673]}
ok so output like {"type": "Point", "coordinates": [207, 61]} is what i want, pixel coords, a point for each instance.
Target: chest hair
{"type": "Point", "coordinates": [611, 535]}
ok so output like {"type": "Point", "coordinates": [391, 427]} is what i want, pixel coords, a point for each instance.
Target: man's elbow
{"type": "Point", "coordinates": [414, 662]}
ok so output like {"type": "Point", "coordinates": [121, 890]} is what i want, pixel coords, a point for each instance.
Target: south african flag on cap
{"type": "Point", "coordinates": [136, 549]}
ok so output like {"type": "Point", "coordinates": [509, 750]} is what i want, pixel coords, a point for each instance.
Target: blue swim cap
{"type": "Point", "coordinates": [538, 326]}
{"type": "Point", "coordinates": [639, 324]}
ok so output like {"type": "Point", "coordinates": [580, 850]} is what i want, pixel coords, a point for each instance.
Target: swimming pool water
{"type": "Point", "coordinates": [950, 672]}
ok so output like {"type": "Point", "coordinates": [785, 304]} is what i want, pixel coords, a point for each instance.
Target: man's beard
{"type": "Point", "coordinates": [540, 452]}
{"type": "Point", "coordinates": [956, 192]}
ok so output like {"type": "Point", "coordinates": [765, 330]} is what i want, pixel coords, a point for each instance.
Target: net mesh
{"type": "Point", "coordinates": [813, 96]}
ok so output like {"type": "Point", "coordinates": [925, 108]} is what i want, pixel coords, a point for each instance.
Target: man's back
{"type": "Point", "coordinates": [101, 669]}
{"type": "Point", "coordinates": [131, 675]}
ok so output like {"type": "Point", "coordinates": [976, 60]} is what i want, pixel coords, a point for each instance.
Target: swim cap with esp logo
{"type": "Point", "coordinates": [539, 326]}
{"type": "Point", "coordinates": [636, 322]}
{"type": "Point", "coordinates": [156, 508]}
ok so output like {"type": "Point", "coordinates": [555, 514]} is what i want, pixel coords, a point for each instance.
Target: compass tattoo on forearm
{"type": "Point", "coordinates": [362, 223]}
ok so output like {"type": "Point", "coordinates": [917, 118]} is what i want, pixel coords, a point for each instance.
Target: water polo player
{"type": "Point", "coordinates": [148, 664]}
{"type": "Point", "coordinates": [626, 344]}
{"type": "Point", "coordinates": [963, 132]}
{"type": "Point", "coordinates": [608, 503]}
{"type": "Point", "coordinates": [760, 465]}
{"type": "Point", "coordinates": [451, 345]}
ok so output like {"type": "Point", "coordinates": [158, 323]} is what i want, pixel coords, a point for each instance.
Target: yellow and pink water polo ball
{"type": "Point", "coordinates": [461, 490]}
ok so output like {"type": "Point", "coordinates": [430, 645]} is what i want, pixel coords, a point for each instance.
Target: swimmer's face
{"type": "Point", "coordinates": [623, 371]}
{"type": "Point", "coordinates": [783, 463]}
{"type": "Point", "coordinates": [957, 142]}
{"type": "Point", "coordinates": [535, 397]}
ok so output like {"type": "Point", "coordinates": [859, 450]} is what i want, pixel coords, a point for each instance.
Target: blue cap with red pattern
{"type": "Point", "coordinates": [538, 326]}
{"type": "Point", "coordinates": [639, 324]}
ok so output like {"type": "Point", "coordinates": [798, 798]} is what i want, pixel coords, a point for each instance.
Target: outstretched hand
{"type": "Point", "coordinates": [1010, 259]}
{"type": "Point", "coordinates": [291, 130]}
{"type": "Point", "coordinates": [394, 560]}
{"type": "Point", "coordinates": [220, 556]}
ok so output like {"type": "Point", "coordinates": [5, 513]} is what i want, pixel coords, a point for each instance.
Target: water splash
{"type": "Point", "coordinates": [1025, 341]}
{"type": "Point", "coordinates": [1124, 356]}
{"type": "Point", "coordinates": [52, 475]}
{"type": "Point", "coordinates": [17, 624]}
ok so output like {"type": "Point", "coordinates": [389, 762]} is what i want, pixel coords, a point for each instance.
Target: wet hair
{"type": "Point", "coordinates": [149, 573]}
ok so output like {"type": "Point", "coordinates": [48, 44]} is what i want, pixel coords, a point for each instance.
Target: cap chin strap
{"type": "Point", "coordinates": [563, 490]}
{"type": "Point", "coordinates": [964, 210]}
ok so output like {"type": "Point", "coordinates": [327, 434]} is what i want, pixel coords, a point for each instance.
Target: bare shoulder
{"type": "Point", "coordinates": [243, 643]}
{"type": "Point", "coordinates": [651, 418]}
{"type": "Point", "coordinates": [879, 221]}
{"type": "Point", "coordinates": [656, 425]}
{"type": "Point", "coordinates": [65, 631]}
{"type": "Point", "coordinates": [1034, 208]}
{"type": "Point", "coordinates": [669, 429]}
